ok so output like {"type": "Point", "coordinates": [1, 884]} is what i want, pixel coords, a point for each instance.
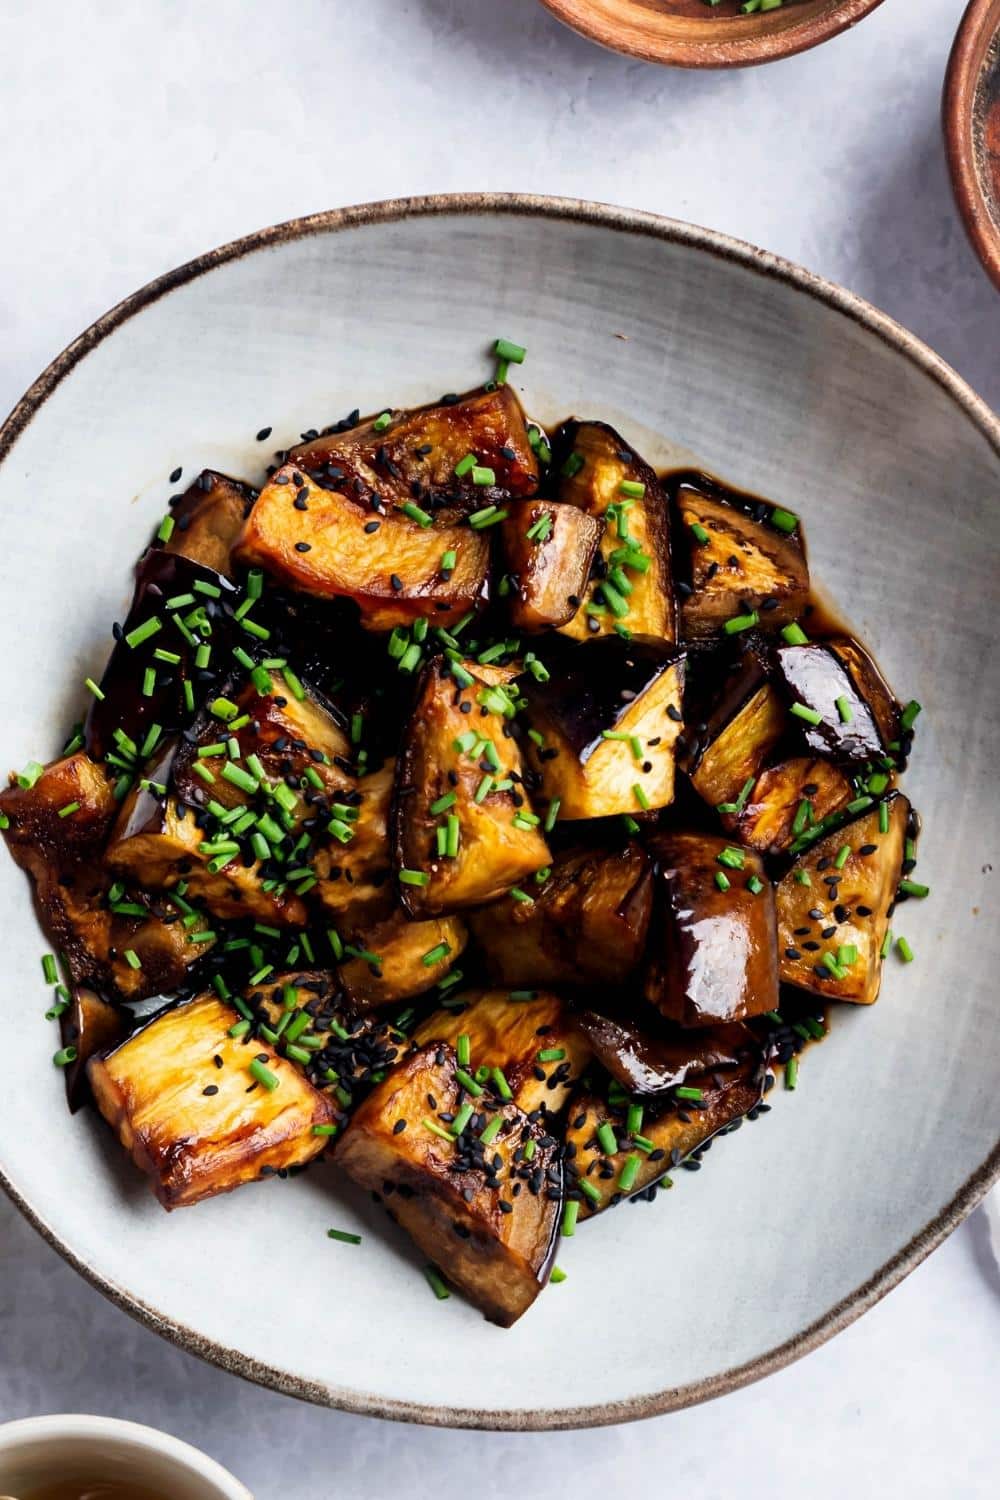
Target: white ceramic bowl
{"type": "Point", "coordinates": [42, 1450]}
{"type": "Point", "coordinates": [686, 341]}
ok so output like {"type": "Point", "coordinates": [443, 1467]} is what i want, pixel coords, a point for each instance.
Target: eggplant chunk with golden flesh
{"type": "Point", "coordinates": [603, 1178]}
{"type": "Point", "coordinates": [833, 905]}
{"type": "Point", "coordinates": [785, 798]}
{"type": "Point", "coordinates": [548, 549]}
{"type": "Point", "coordinates": [528, 1042]}
{"type": "Point", "coordinates": [454, 1175]}
{"type": "Point", "coordinates": [201, 1112]}
{"type": "Point", "coordinates": [604, 727]}
{"type": "Point", "coordinates": [713, 955]}
{"type": "Point", "coordinates": [650, 1058]}
{"type": "Point", "coordinates": [400, 958]}
{"type": "Point", "coordinates": [839, 700]}
{"type": "Point", "coordinates": [158, 842]}
{"type": "Point", "coordinates": [632, 583]}
{"type": "Point", "coordinates": [740, 732]}
{"type": "Point", "coordinates": [89, 1025]}
{"type": "Point", "coordinates": [178, 606]}
{"type": "Point", "coordinates": [208, 518]}
{"type": "Point", "coordinates": [464, 832]}
{"type": "Point", "coordinates": [355, 881]}
{"type": "Point", "coordinates": [741, 561]}
{"type": "Point", "coordinates": [115, 940]}
{"type": "Point", "coordinates": [586, 924]}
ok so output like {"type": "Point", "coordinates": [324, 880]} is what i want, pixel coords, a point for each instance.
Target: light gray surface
{"type": "Point", "coordinates": [138, 136]}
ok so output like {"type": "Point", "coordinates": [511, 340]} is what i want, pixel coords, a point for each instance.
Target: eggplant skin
{"type": "Point", "coordinates": [343, 558]}
{"type": "Point", "coordinates": [766, 821]}
{"type": "Point", "coordinates": [64, 859]}
{"type": "Point", "coordinates": [494, 853]}
{"type": "Point", "coordinates": [92, 1025]}
{"type": "Point", "coordinates": [736, 562]}
{"type": "Point", "coordinates": [160, 575]}
{"type": "Point", "coordinates": [157, 842]}
{"type": "Point", "coordinates": [587, 923]}
{"type": "Point", "coordinates": [819, 675]}
{"type": "Point", "coordinates": [549, 571]}
{"type": "Point", "coordinates": [208, 518]}
{"type": "Point", "coordinates": [509, 1034]}
{"type": "Point", "coordinates": [713, 957]}
{"type": "Point", "coordinates": [649, 1060]}
{"type": "Point", "coordinates": [675, 1135]}
{"type": "Point", "coordinates": [404, 967]}
{"type": "Point", "coordinates": [742, 730]}
{"type": "Point", "coordinates": [608, 687]}
{"type": "Point", "coordinates": [355, 884]}
{"type": "Point", "coordinates": [492, 1232]}
{"type": "Point", "coordinates": [856, 907]}
{"type": "Point", "coordinates": [594, 461]}
{"type": "Point", "coordinates": [416, 455]}
{"type": "Point", "coordinates": [192, 1144]}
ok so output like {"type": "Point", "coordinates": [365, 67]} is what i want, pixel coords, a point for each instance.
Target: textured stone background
{"type": "Point", "coordinates": [135, 136]}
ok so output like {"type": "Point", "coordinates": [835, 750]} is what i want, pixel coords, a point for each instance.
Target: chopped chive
{"type": "Point", "coordinates": [513, 353]}
{"type": "Point", "coordinates": [904, 950]}
{"type": "Point", "coordinates": [262, 1074]}
{"type": "Point", "coordinates": [794, 635]}
{"type": "Point", "coordinates": [883, 952]}
{"type": "Point", "coordinates": [414, 877]}
{"type": "Point", "coordinates": [325, 1129]}
{"type": "Point", "coordinates": [144, 631]}
{"type": "Point", "coordinates": [422, 518]}
{"type": "Point", "coordinates": [629, 1173]}
{"type": "Point", "coordinates": [808, 714]}
{"type": "Point", "coordinates": [482, 476]}
{"type": "Point", "coordinates": [68, 809]}
{"type": "Point", "coordinates": [699, 533]}
{"type": "Point", "coordinates": [909, 714]}
{"type": "Point", "coordinates": [382, 421]}
{"type": "Point", "coordinates": [632, 488]}
{"type": "Point", "coordinates": [791, 1072]}
{"type": "Point", "coordinates": [570, 1215]}
{"type": "Point", "coordinates": [436, 954]}
{"type": "Point", "coordinates": [755, 885]}
{"type": "Point", "coordinates": [463, 1049]}
{"type": "Point", "coordinates": [436, 1284]}
{"type": "Point", "coordinates": [858, 805]}
{"type": "Point", "coordinates": [342, 1235]}
{"type": "Point", "coordinates": [589, 1190]}
{"type": "Point", "coordinates": [883, 817]}
{"type": "Point", "coordinates": [914, 888]}
{"type": "Point", "coordinates": [722, 881]}
{"type": "Point", "coordinates": [551, 1054]}
{"type": "Point", "coordinates": [606, 1138]}
{"type": "Point", "coordinates": [845, 710]}
{"type": "Point", "coordinates": [731, 858]}
{"type": "Point", "coordinates": [462, 1118]}
{"type": "Point", "coordinates": [847, 954]}
{"type": "Point", "coordinates": [741, 622]}
{"type": "Point", "coordinates": [92, 687]}
{"type": "Point", "coordinates": [690, 1093]}
{"type": "Point", "coordinates": [443, 803]}
{"type": "Point", "coordinates": [465, 465]}
{"type": "Point", "coordinates": [503, 1088]}
{"type": "Point", "coordinates": [49, 969]}
{"type": "Point", "coordinates": [785, 520]}
{"type": "Point", "coordinates": [843, 855]}
{"type": "Point", "coordinates": [132, 959]}
{"type": "Point", "coordinates": [640, 797]}
{"type": "Point", "coordinates": [489, 516]}
{"type": "Point", "coordinates": [516, 894]}
{"type": "Point", "coordinates": [64, 1057]}
{"type": "Point", "coordinates": [239, 1028]}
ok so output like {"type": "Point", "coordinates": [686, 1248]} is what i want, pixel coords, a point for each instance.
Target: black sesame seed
{"type": "Point", "coordinates": [303, 546]}
{"type": "Point", "coordinates": [176, 475]}
{"type": "Point", "coordinates": [263, 434]}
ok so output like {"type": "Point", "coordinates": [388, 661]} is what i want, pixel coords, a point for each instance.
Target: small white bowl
{"type": "Point", "coordinates": [43, 1450]}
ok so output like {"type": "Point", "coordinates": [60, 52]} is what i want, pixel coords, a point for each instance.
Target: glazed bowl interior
{"type": "Point", "coordinates": [695, 347]}
{"type": "Point", "coordinates": [691, 34]}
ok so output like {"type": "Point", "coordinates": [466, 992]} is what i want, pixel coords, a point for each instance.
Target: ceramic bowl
{"type": "Point", "coordinates": [693, 345]}
{"type": "Point", "coordinates": [970, 113]}
{"type": "Point", "coordinates": [45, 1450]}
{"type": "Point", "coordinates": [688, 34]}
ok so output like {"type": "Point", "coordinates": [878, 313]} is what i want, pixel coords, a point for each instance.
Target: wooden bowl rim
{"type": "Point", "coordinates": [977, 33]}
{"type": "Point", "coordinates": [743, 41]}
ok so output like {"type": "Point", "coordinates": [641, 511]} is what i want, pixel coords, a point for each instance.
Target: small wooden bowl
{"type": "Point", "coordinates": [970, 112]}
{"type": "Point", "coordinates": [687, 34]}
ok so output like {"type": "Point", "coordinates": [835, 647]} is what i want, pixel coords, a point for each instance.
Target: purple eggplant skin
{"type": "Point", "coordinates": [713, 953]}
{"type": "Point", "coordinates": [160, 576]}
{"type": "Point", "coordinates": [818, 676]}
{"type": "Point", "coordinates": [207, 519]}
{"type": "Point", "coordinates": [594, 683]}
{"type": "Point", "coordinates": [91, 1024]}
{"type": "Point", "coordinates": [650, 1059]}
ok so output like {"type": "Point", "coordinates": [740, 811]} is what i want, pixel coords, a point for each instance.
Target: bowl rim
{"type": "Point", "coordinates": [89, 1430]}
{"type": "Point", "coordinates": [977, 29]}
{"type": "Point", "coordinates": [751, 45]}
{"type": "Point", "coordinates": [755, 260]}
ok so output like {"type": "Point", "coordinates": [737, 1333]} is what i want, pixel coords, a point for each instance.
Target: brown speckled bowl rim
{"type": "Point", "coordinates": [742, 41]}
{"type": "Point", "coordinates": [758, 262]}
{"type": "Point", "coordinates": [959, 103]}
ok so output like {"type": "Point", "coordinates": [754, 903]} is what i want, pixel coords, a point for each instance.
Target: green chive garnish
{"type": "Point", "coordinates": [571, 1213]}
{"type": "Point", "coordinates": [741, 622]}
{"type": "Point", "coordinates": [808, 714]}
{"type": "Point", "coordinates": [794, 635]}
{"type": "Point", "coordinates": [342, 1234]}
{"type": "Point", "coordinates": [845, 710]}
{"type": "Point", "coordinates": [785, 520]}
{"type": "Point", "coordinates": [263, 1075]}
{"type": "Point", "coordinates": [436, 1284]}
{"type": "Point", "coordinates": [904, 950]}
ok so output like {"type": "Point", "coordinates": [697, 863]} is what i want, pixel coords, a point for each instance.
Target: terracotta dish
{"type": "Point", "coordinates": [692, 34]}
{"type": "Point", "coordinates": [971, 117]}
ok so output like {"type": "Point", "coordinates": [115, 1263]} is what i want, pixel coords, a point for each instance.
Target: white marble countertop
{"type": "Point", "coordinates": [136, 136]}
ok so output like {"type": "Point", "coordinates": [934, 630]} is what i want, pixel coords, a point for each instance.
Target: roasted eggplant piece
{"type": "Point", "coordinates": [483, 1214]}
{"type": "Point", "coordinates": [124, 707]}
{"type": "Point", "coordinates": [355, 883]}
{"type": "Point", "coordinates": [735, 556]}
{"type": "Point", "coordinates": [608, 719]}
{"type": "Point", "coordinates": [533, 1040]}
{"type": "Point", "coordinates": [89, 1025]}
{"type": "Point", "coordinates": [649, 1058]}
{"type": "Point", "coordinates": [199, 1111]}
{"type": "Point", "coordinates": [586, 924]}
{"type": "Point", "coordinates": [767, 819]}
{"type": "Point", "coordinates": [124, 948]}
{"type": "Point", "coordinates": [741, 730]}
{"type": "Point", "coordinates": [632, 582]}
{"type": "Point", "coordinates": [400, 958]}
{"type": "Point", "coordinates": [548, 549]}
{"type": "Point", "coordinates": [157, 841]}
{"type": "Point", "coordinates": [672, 1136]}
{"type": "Point", "coordinates": [390, 564]}
{"type": "Point", "coordinates": [713, 953]}
{"type": "Point", "coordinates": [833, 905]}
{"type": "Point", "coordinates": [208, 518]}
{"type": "Point", "coordinates": [414, 454]}
{"type": "Point", "coordinates": [290, 735]}
{"type": "Point", "coordinates": [462, 824]}
{"type": "Point", "coordinates": [840, 701]}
